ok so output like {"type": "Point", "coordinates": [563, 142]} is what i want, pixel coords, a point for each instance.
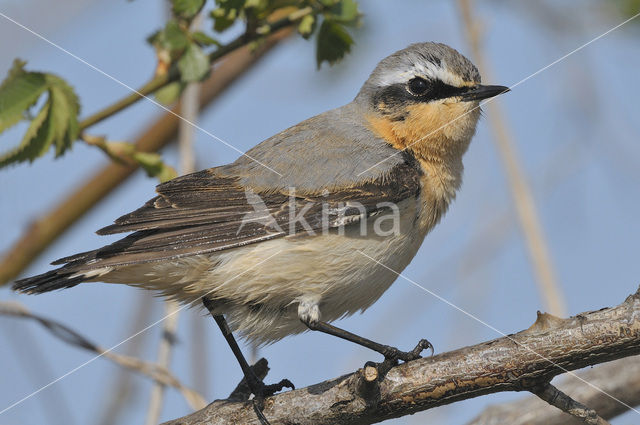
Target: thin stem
{"type": "Point", "coordinates": [159, 81]}
{"type": "Point", "coordinates": [151, 86]}
{"type": "Point", "coordinates": [557, 398]}
{"type": "Point", "coordinates": [534, 235]}
{"type": "Point", "coordinates": [170, 325]}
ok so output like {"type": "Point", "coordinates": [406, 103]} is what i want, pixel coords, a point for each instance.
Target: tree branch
{"type": "Point", "coordinates": [161, 80]}
{"type": "Point", "coordinates": [518, 362]}
{"type": "Point", "coordinates": [159, 373]}
{"type": "Point", "coordinates": [557, 398]}
{"type": "Point", "coordinates": [618, 380]}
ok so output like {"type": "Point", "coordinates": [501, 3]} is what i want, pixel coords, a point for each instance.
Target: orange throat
{"type": "Point", "coordinates": [437, 135]}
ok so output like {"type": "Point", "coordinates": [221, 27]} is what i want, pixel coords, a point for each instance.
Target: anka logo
{"type": "Point", "coordinates": [320, 215]}
{"type": "Point", "coordinates": [260, 213]}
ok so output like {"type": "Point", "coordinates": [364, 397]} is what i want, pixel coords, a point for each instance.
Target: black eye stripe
{"type": "Point", "coordinates": [392, 100]}
{"type": "Point", "coordinates": [435, 89]}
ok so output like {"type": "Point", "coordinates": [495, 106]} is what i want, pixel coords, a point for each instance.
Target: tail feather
{"type": "Point", "coordinates": [49, 281]}
{"type": "Point", "coordinates": [81, 257]}
{"type": "Point", "coordinates": [73, 272]}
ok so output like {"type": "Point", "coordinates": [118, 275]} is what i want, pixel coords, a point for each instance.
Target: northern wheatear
{"type": "Point", "coordinates": [281, 240]}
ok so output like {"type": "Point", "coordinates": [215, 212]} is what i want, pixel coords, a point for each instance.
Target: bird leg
{"type": "Point", "coordinates": [259, 389]}
{"type": "Point", "coordinates": [391, 354]}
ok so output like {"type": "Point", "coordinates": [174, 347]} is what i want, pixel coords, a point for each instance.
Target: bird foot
{"type": "Point", "coordinates": [392, 356]}
{"type": "Point", "coordinates": [260, 390]}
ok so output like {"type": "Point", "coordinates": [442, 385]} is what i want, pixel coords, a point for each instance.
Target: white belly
{"type": "Point", "coordinates": [259, 286]}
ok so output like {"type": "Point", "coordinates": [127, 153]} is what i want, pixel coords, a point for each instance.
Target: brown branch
{"type": "Point", "coordinates": [165, 348]}
{"type": "Point", "coordinates": [557, 398]}
{"type": "Point", "coordinates": [161, 80]}
{"type": "Point", "coordinates": [47, 228]}
{"type": "Point", "coordinates": [158, 373]}
{"type": "Point", "coordinates": [518, 362]}
{"type": "Point", "coordinates": [618, 380]}
{"type": "Point", "coordinates": [521, 192]}
{"type": "Point", "coordinates": [121, 392]}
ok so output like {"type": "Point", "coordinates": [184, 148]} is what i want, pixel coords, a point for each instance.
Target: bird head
{"type": "Point", "coordinates": [425, 98]}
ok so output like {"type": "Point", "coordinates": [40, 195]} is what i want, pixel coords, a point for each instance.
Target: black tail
{"type": "Point", "coordinates": [66, 276]}
{"type": "Point", "coordinates": [49, 281]}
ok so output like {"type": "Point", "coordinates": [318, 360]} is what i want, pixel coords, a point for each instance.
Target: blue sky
{"type": "Point", "coordinates": [576, 130]}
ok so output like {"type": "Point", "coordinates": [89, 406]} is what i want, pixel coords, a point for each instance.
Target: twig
{"type": "Point", "coordinates": [159, 81]}
{"type": "Point", "coordinates": [190, 109]}
{"type": "Point", "coordinates": [47, 228]}
{"type": "Point", "coordinates": [517, 362]}
{"type": "Point", "coordinates": [618, 380]}
{"type": "Point", "coordinates": [520, 190]}
{"type": "Point", "coordinates": [200, 355]}
{"type": "Point", "coordinates": [35, 362]}
{"type": "Point", "coordinates": [198, 347]}
{"type": "Point", "coordinates": [68, 335]}
{"type": "Point", "coordinates": [121, 392]}
{"type": "Point", "coordinates": [168, 339]}
{"type": "Point", "coordinates": [126, 154]}
{"type": "Point", "coordinates": [557, 398]}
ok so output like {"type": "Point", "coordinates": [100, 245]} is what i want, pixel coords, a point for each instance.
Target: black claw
{"type": "Point", "coordinates": [260, 390]}
{"type": "Point", "coordinates": [271, 389]}
{"type": "Point", "coordinates": [393, 354]}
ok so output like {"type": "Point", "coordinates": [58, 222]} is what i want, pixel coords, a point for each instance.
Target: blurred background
{"type": "Point", "coordinates": [574, 125]}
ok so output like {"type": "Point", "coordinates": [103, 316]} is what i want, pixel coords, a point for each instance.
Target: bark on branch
{"type": "Point", "coordinates": [520, 362]}
{"type": "Point", "coordinates": [620, 380]}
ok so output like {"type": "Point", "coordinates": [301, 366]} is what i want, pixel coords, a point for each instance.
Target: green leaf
{"type": "Point", "coordinates": [204, 40]}
{"type": "Point", "coordinates": [18, 92]}
{"type": "Point", "coordinates": [33, 141]}
{"type": "Point", "coordinates": [221, 23]}
{"type": "Point", "coordinates": [346, 12]}
{"type": "Point", "coordinates": [226, 14]}
{"type": "Point", "coordinates": [169, 93]}
{"type": "Point", "coordinates": [55, 124]}
{"type": "Point", "coordinates": [334, 42]}
{"type": "Point", "coordinates": [153, 165]}
{"type": "Point", "coordinates": [194, 64]}
{"type": "Point", "coordinates": [187, 9]}
{"type": "Point", "coordinates": [173, 37]}
{"type": "Point", "coordinates": [65, 109]}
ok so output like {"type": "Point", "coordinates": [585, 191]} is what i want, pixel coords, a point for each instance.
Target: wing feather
{"type": "Point", "coordinates": [205, 212]}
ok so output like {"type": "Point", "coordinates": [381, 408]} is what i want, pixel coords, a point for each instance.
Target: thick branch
{"type": "Point", "coordinates": [522, 361]}
{"type": "Point", "coordinates": [618, 380]}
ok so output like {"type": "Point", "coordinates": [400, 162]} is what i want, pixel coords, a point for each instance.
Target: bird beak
{"type": "Point", "coordinates": [483, 92]}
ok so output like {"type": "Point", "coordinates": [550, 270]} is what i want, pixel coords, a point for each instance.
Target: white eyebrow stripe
{"type": "Point", "coordinates": [427, 70]}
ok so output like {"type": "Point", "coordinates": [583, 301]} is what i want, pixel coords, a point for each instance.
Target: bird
{"type": "Point", "coordinates": [311, 225]}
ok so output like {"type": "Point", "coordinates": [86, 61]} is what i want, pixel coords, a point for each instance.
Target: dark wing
{"type": "Point", "coordinates": [205, 212]}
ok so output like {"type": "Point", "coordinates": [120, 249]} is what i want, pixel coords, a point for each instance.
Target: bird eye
{"type": "Point", "coordinates": [418, 86]}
